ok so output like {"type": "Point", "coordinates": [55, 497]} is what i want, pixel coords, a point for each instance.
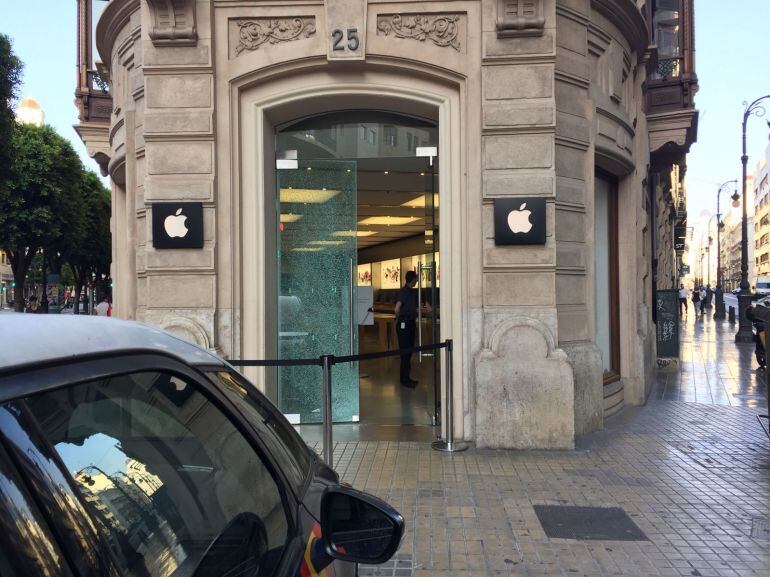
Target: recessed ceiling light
{"type": "Point", "coordinates": [307, 195]}
{"type": "Point", "coordinates": [419, 202]}
{"type": "Point", "coordinates": [354, 232]}
{"type": "Point", "coordinates": [386, 172]}
{"type": "Point", "coordinates": [388, 220]}
{"type": "Point", "coordinates": [348, 170]}
{"type": "Point", "coordinates": [290, 217]}
{"type": "Point", "coordinates": [310, 168]}
{"type": "Point", "coordinates": [422, 174]}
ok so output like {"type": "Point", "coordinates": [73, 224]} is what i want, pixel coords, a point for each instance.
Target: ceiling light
{"type": "Point", "coordinates": [307, 195]}
{"type": "Point", "coordinates": [388, 220]}
{"type": "Point", "coordinates": [307, 249]}
{"type": "Point", "coordinates": [354, 232]}
{"type": "Point", "coordinates": [309, 168]}
{"type": "Point", "coordinates": [327, 242]}
{"type": "Point", "coordinates": [422, 174]}
{"type": "Point", "coordinates": [386, 172]}
{"type": "Point", "coordinates": [419, 202]}
{"type": "Point", "coordinates": [290, 217]}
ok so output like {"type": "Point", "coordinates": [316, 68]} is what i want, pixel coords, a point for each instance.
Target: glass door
{"type": "Point", "coordinates": [429, 284]}
{"type": "Point", "coordinates": [317, 274]}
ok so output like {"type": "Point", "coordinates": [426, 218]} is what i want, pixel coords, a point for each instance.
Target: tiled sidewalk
{"type": "Point", "coordinates": [694, 477]}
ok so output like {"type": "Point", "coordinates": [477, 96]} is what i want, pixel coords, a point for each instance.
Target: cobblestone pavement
{"type": "Point", "coordinates": [691, 470]}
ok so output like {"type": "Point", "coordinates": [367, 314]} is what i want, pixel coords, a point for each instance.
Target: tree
{"type": "Point", "coordinates": [40, 206]}
{"type": "Point", "coordinates": [10, 79]}
{"type": "Point", "coordinates": [90, 257]}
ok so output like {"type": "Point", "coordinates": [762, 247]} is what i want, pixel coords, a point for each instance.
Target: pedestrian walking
{"type": "Point", "coordinates": [104, 308]}
{"type": "Point", "coordinates": [33, 306]}
{"type": "Point", "coordinates": [684, 294]}
{"type": "Point", "coordinates": [696, 302]}
{"type": "Point", "coordinates": [406, 318]}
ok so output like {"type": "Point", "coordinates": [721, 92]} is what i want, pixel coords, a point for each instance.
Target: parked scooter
{"type": "Point", "coordinates": [758, 327]}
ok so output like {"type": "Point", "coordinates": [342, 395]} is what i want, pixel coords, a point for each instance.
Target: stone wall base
{"type": "Point", "coordinates": [586, 362]}
{"type": "Point", "coordinates": [524, 389]}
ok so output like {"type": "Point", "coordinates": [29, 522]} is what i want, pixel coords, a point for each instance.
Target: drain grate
{"type": "Point", "coordinates": [588, 523]}
{"type": "Point", "coordinates": [760, 528]}
{"type": "Point", "coordinates": [400, 565]}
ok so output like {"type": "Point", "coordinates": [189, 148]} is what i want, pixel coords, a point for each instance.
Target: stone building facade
{"type": "Point", "coordinates": [532, 98]}
{"type": "Point", "coordinates": [761, 230]}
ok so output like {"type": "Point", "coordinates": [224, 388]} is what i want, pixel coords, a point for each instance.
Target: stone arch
{"type": "Point", "coordinates": [187, 329]}
{"type": "Point", "coordinates": [264, 98]}
{"type": "Point", "coordinates": [525, 390]}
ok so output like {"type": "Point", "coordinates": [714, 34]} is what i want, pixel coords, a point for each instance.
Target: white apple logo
{"type": "Point", "coordinates": [518, 220]}
{"type": "Point", "coordinates": [174, 224]}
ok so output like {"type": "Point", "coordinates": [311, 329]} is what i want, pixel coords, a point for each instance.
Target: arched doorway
{"type": "Point", "coordinates": [263, 101]}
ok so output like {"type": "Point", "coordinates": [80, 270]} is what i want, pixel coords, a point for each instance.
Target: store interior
{"type": "Point", "coordinates": [357, 188]}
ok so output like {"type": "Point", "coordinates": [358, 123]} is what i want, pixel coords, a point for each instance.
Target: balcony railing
{"type": "Point", "coordinates": [668, 68]}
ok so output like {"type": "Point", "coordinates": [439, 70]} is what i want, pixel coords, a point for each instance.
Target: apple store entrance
{"type": "Point", "coordinates": [356, 207]}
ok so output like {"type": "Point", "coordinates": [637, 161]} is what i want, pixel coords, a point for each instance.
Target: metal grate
{"type": "Point", "coordinates": [400, 565]}
{"type": "Point", "coordinates": [588, 523]}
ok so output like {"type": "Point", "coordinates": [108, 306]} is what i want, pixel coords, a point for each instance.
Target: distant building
{"type": "Point", "coordinates": [761, 229]}
{"type": "Point", "coordinates": [29, 112]}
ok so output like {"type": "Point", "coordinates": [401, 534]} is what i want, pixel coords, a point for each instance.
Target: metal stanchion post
{"type": "Point", "coordinates": [448, 445]}
{"type": "Point", "coordinates": [326, 392]}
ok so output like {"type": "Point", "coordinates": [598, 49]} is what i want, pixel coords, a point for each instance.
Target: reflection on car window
{"type": "Point", "coordinates": [283, 442]}
{"type": "Point", "coordinates": [175, 487]}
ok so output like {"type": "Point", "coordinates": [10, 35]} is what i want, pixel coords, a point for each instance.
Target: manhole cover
{"type": "Point", "coordinates": [588, 523]}
{"type": "Point", "coordinates": [760, 528]}
{"type": "Point", "coordinates": [400, 565]}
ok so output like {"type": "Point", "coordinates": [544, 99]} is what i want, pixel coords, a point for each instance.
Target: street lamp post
{"type": "Point", "coordinates": [745, 334]}
{"type": "Point", "coordinates": [719, 306]}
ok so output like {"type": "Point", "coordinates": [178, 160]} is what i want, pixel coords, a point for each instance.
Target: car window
{"type": "Point", "coordinates": [283, 442]}
{"type": "Point", "coordinates": [175, 487]}
{"type": "Point", "coordinates": [27, 547]}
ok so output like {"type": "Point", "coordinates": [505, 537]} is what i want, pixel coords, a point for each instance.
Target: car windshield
{"type": "Point", "coordinates": [283, 442]}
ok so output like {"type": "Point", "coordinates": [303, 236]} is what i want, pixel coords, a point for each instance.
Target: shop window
{"type": "Point", "coordinates": [607, 315]}
{"type": "Point", "coordinates": [409, 141]}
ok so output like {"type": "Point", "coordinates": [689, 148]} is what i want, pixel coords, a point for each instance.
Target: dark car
{"type": "Point", "coordinates": [125, 451]}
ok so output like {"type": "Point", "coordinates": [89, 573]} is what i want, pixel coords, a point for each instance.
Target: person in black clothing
{"type": "Point", "coordinates": [406, 317]}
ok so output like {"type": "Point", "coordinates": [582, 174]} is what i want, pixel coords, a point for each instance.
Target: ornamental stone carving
{"type": "Point", "coordinates": [173, 22]}
{"type": "Point", "coordinates": [441, 29]}
{"type": "Point", "coordinates": [253, 33]}
{"type": "Point", "coordinates": [519, 18]}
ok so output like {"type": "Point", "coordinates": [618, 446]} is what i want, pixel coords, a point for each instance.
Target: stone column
{"type": "Point", "coordinates": [524, 384]}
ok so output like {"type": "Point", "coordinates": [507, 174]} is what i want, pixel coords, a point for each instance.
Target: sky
{"type": "Point", "coordinates": [732, 61]}
{"type": "Point", "coordinates": [733, 66]}
{"type": "Point", "coordinates": [43, 36]}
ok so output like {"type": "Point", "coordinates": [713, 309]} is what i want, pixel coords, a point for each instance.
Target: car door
{"type": "Point", "coordinates": [153, 476]}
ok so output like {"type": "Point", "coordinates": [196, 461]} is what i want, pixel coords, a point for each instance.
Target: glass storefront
{"type": "Point", "coordinates": [356, 191]}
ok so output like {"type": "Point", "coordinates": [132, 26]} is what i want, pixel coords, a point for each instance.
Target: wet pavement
{"type": "Point", "coordinates": [690, 472]}
{"type": "Point", "coordinates": [713, 368]}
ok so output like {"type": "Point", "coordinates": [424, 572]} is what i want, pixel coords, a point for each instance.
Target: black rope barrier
{"type": "Point", "coordinates": [336, 360]}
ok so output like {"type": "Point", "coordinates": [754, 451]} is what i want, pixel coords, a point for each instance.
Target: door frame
{"type": "Point", "coordinates": [262, 106]}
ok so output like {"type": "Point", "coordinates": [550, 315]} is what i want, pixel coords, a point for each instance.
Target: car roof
{"type": "Point", "coordinates": [33, 339]}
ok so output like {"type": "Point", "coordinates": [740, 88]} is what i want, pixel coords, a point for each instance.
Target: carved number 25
{"type": "Point", "coordinates": [337, 36]}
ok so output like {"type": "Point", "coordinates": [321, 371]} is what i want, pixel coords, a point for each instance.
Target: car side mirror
{"type": "Point", "coordinates": [358, 527]}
